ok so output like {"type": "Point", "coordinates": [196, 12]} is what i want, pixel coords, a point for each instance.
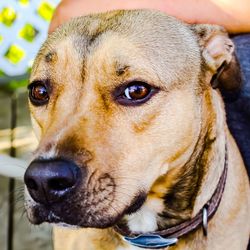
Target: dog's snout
{"type": "Point", "coordinates": [49, 181]}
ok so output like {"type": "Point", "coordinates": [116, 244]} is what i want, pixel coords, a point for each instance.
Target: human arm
{"type": "Point", "coordinates": [234, 15]}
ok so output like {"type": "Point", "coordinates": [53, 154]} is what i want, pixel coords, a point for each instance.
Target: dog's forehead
{"type": "Point", "coordinates": [145, 41]}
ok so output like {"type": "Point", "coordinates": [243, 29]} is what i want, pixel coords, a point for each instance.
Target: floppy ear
{"type": "Point", "coordinates": [221, 65]}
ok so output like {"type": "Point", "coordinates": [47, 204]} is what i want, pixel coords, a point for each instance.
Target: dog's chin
{"type": "Point", "coordinates": [77, 218]}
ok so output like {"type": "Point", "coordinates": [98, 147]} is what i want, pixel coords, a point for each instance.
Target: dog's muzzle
{"type": "Point", "coordinates": [65, 193]}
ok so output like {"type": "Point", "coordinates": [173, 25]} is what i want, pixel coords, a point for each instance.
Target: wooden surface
{"type": "Point", "coordinates": [26, 236]}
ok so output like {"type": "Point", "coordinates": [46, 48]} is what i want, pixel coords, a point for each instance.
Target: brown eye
{"type": "Point", "coordinates": [38, 93]}
{"type": "Point", "coordinates": [136, 92]}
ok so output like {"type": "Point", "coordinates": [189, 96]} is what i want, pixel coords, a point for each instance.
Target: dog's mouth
{"type": "Point", "coordinates": [61, 192]}
{"type": "Point", "coordinates": [74, 215]}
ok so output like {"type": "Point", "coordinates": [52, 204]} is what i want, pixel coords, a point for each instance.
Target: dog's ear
{"type": "Point", "coordinates": [221, 65]}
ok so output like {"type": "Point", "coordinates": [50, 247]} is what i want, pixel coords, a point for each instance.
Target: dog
{"type": "Point", "coordinates": [133, 143]}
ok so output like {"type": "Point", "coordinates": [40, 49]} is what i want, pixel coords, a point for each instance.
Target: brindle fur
{"type": "Point", "coordinates": [171, 148]}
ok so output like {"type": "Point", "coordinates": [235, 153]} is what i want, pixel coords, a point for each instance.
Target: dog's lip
{"type": "Point", "coordinates": [40, 215]}
{"type": "Point", "coordinates": [50, 214]}
{"type": "Point", "coordinates": [43, 214]}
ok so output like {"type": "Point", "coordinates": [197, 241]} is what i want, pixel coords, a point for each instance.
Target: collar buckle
{"type": "Point", "coordinates": [204, 220]}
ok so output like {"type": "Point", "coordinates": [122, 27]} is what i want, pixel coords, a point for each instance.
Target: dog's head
{"type": "Point", "coordinates": [116, 102]}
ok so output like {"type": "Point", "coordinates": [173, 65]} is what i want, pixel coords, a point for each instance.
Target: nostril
{"type": "Point", "coordinates": [31, 184]}
{"type": "Point", "coordinates": [50, 181]}
{"type": "Point", "coordinates": [59, 184]}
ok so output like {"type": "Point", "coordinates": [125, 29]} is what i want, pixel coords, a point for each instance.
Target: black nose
{"type": "Point", "coordinates": [50, 181]}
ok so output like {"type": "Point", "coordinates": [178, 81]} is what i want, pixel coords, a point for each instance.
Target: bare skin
{"type": "Point", "coordinates": [232, 14]}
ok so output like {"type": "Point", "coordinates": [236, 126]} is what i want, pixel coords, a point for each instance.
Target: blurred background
{"type": "Point", "coordinates": [23, 28]}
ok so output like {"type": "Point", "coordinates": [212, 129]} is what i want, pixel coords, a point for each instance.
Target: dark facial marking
{"type": "Point", "coordinates": [179, 199]}
{"type": "Point", "coordinates": [48, 147]}
{"type": "Point", "coordinates": [105, 101]}
{"type": "Point", "coordinates": [94, 37]}
{"type": "Point", "coordinates": [121, 70]}
{"type": "Point", "coordinates": [144, 124]}
{"type": "Point", "coordinates": [70, 147]}
{"type": "Point", "coordinates": [136, 203]}
{"type": "Point", "coordinates": [50, 56]}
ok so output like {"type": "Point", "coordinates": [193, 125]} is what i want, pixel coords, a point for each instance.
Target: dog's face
{"type": "Point", "coordinates": [115, 101]}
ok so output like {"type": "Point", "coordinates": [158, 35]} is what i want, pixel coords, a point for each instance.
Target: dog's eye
{"type": "Point", "coordinates": [38, 93]}
{"type": "Point", "coordinates": [135, 93]}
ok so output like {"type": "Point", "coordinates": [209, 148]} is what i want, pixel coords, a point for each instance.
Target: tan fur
{"type": "Point", "coordinates": [171, 147]}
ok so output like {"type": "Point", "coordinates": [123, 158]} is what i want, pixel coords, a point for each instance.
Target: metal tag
{"type": "Point", "coordinates": [150, 241]}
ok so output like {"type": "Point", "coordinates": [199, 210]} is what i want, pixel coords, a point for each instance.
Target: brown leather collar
{"type": "Point", "coordinates": [200, 220]}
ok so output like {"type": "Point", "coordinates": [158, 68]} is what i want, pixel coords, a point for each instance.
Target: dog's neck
{"type": "Point", "coordinates": [192, 185]}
